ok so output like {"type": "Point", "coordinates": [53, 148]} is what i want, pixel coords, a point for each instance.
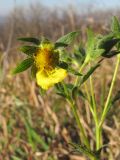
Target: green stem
{"type": "Point", "coordinates": [92, 109]}
{"type": "Point", "coordinates": [110, 93]}
{"type": "Point", "coordinates": [88, 98]}
{"type": "Point", "coordinates": [80, 70]}
{"type": "Point", "coordinates": [82, 131]}
{"type": "Point", "coordinates": [98, 137]}
{"type": "Point", "coordinates": [95, 116]}
{"type": "Point", "coordinates": [105, 111]}
{"type": "Point", "coordinates": [93, 101]}
{"type": "Point", "coordinates": [74, 110]}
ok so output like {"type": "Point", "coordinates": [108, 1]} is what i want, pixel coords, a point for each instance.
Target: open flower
{"type": "Point", "coordinates": [46, 60]}
{"type": "Point", "coordinates": [43, 59]}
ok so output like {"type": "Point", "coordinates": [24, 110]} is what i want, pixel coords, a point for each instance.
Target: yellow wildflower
{"type": "Point", "coordinates": [46, 60]}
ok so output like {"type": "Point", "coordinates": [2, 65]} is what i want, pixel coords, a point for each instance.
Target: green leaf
{"type": "Point", "coordinates": [77, 92]}
{"type": "Point", "coordinates": [60, 90]}
{"type": "Point", "coordinates": [33, 71]}
{"type": "Point", "coordinates": [99, 45]}
{"type": "Point", "coordinates": [88, 74]}
{"type": "Point", "coordinates": [69, 86]}
{"type": "Point", "coordinates": [79, 54]}
{"type": "Point", "coordinates": [111, 54]}
{"type": "Point", "coordinates": [115, 25]}
{"type": "Point", "coordinates": [90, 40]}
{"type": "Point", "coordinates": [97, 53]}
{"type": "Point", "coordinates": [61, 94]}
{"type": "Point", "coordinates": [63, 65]}
{"type": "Point", "coordinates": [29, 50]}
{"type": "Point", "coordinates": [73, 71]}
{"type": "Point", "coordinates": [59, 87]}
{"type": "Point", "coordinates": [68, 38]}
{"type": "Point", "coordinates": [30, 39]}
{"type": "Point", "coordinates": [90, 46]}
{"type": "Point", "coordinates": [60, 45]}
{"type": "Point", "coordinates": [23, 65]}
{"type": "Point", "coordinates": [107, 43]}
{"type": "Point", "coordinates": [65, 57]}
{"type": "Point", "coordinates": [116, 30]}
{"type": "Point", "coordinates": [93, 50]}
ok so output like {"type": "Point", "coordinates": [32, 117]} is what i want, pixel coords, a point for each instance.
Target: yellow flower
{"type": "Point", "coordinates": [46, 81]}
{"type": "Point", "coordinates": [46, 60]}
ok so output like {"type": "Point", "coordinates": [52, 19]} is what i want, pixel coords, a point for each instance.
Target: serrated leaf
{"type": "Point", "coordinates": [23, 65]}
{"type": "Point", "coordinates": [68, 38]}
{"type": "Point", "coordinates": [115, 25]}
{"type": "Point", "coordinates": [30, 39]}
{"type": "Point", "coordinates": [29, 50]}
{"type": "Point", "coordinates": [89, 73]}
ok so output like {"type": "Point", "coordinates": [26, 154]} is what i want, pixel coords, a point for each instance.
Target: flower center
{"type": "Point", "coordinates": [46, 58]}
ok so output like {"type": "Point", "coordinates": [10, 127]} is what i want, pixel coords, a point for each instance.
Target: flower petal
{"type": "Point", "coordinates": [46, 81]}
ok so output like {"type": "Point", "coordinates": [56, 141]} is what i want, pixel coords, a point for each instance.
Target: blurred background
{"type": "Point", "coordinates": [31, 127]}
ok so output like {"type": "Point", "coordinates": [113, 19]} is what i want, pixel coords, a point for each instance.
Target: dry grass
{"type": "Point", "coordinates": [39, 128]}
